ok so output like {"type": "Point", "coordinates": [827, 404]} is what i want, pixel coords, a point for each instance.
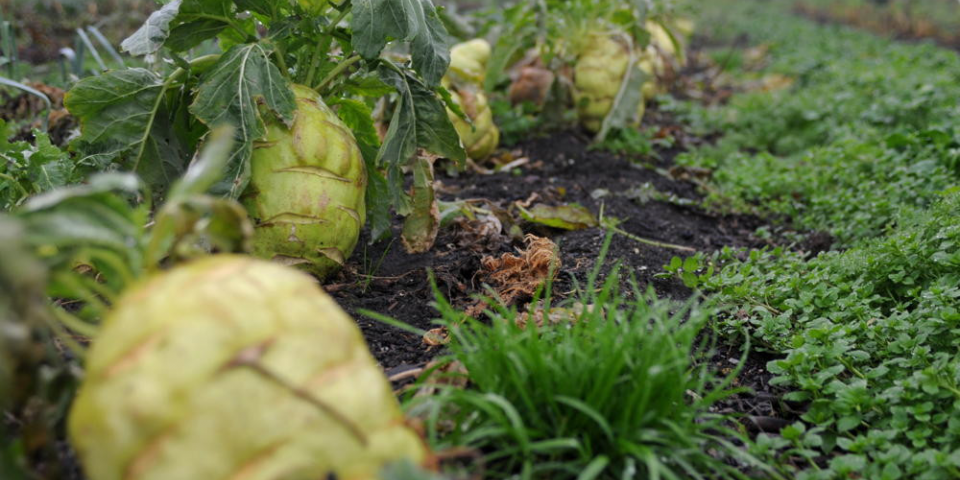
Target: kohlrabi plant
{"type": "Point", "coordinates": [198, 366]}
{"type": "Point", "coordinates": [608, 56]}
{"type": "Point", "coordinates": [468, 69]}
{"type": "Point", "coordinates": [299, 81]}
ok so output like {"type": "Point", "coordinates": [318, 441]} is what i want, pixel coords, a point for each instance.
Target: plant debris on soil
{"type": "Point", "coordinates": [384, 278]}
{"type": "Point", "coordinates": [567, 172]}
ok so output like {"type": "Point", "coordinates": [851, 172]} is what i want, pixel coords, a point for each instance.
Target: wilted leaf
{"type": "Point", "coordinates": [153, 33]}
{"type": "Point", "coordinates": [567, 217]}
{"type": "Point", "coordinates": [519, 276]}
{"type": "Point", "coordinates": [624, 109]}
{"type": "Point", "coordinates": [421, 226]}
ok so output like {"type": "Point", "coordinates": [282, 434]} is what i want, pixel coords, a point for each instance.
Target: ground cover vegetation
{"type": "Point", "coordinates": [593, 240]}
{"type": "Point", "coordinates": [929, 19]}
{"type": "Point", "coordinates": [867, 331]}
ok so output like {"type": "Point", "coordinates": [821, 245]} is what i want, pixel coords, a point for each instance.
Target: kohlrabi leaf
{"type": "Point", "coordinates": [400, 141]}
{"type": "Point", "coordinates": [625, 104]}
{"type": "Point", "coordinates": [191, 223]}
{"type": "Point", "coordinates": [153, 33]}
{"type": "Point", "coordinates": [94, 218]}
{"type": "Point", "coordinates": [181, 25]}
{"type": "Point", "coordinates": [358, 116]}
{"type": "Point", "coordinates": [208, 167]}
{"type": "Point", "coordinates": [378, 199]}
{"type": "Point", "coordinates": [419, 120]}
{"type": "Point", "coordinates": [124, 120]}
{"type": "Point", "coordinates": [232, 93]}
{"type": "Point", "coordinates": [263, 7]}
{"type": "Point", "coordinates": [431, 47]}
{"type": "Point", "coordinates": [369, 86]}
{"type": "Point", "coordinates": [376, 22]}
{"type": "Point", "coordinates": [198, 21]}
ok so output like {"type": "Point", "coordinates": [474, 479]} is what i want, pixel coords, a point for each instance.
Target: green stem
{"type": "Point", "coordinates": [852, 368]}
{"type": "Point", "coordinates": [322, 48]}
{"type": "Point", "coordinates": [951, 388]}
{"type": "Point", "coordinates": [281, 61]}
{"type": "Point", "coordinates": [652, 242]}
{"type": "Point", "coordinates": [337, 71]}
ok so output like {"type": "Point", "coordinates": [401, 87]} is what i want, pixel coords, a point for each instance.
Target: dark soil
{"type": "Point", "coordinates": [562, 170]}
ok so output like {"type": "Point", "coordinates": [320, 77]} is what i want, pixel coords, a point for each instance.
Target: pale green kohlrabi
{"type": "Point", "coordinates": [313, 6]}
{"type": "Point", "coordinates": [232, 367]}
{"type": "Point", "coordinates": [306, 193]}
{"type": "Point", "coordinates": [468, 67]}
{"type": "Point", "coordinates": [598, 76]}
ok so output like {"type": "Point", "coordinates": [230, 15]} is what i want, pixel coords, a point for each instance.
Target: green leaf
{"type": "Point", "coordinates": [192, 224]}
{"type": "Point", "coordinates": [208, 168]}
{"type": "Point", "coordinates": [676, 263]}
{"type": "Point", "coordinates": [376, 22]}
{"type": "Point", "coordinates": [400, 141]}
{"type": "Point", "coordinates": [567, 217]}
{"type": "Point", "coordinates": [124, 119]}
{"type": "Point", "coordinates": [359, 117]}
{"type": "Point", "coordinates": [188, 35]}
{"type": "Point", "coordinates": [431, 47]}
{"type": "Point", "coordinates": [48, 167]}
{"type": "Point", "coordinates": [263, 7]}
{"type": "Point", "coordinates": [419, 119]}
{"type": "Point", "coordinates": [86, 216]}
{"type": "Point", "coordinates": [378, 199]}
{"type": "Point", "coordinates": [370, 86]}
{"type": "Point", "coordinates": [198, 21]}
{"type": "Point", "coordinates": [231, 93]}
